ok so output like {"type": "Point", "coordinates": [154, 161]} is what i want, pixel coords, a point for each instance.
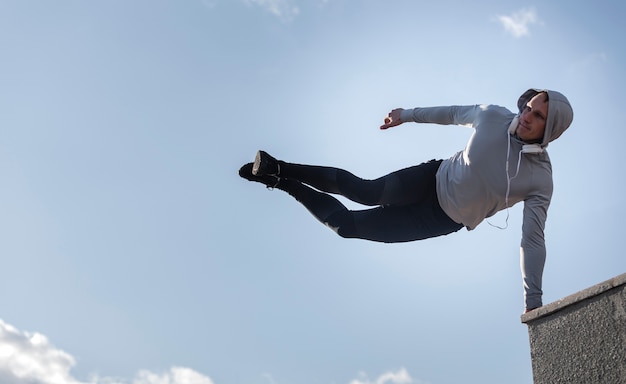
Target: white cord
{"type": "Point", "coordinates": [508, 182]}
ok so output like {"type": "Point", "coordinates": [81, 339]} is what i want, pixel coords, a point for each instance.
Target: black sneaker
{"type": "Point", "coordinates": [269, 180]}
{"type": "Point", "coordinates": [264, 164]}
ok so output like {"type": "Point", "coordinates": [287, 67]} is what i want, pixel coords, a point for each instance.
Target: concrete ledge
{"type": "Point", "coordinates": [565, 302]}
{"type": "Point", "coordinates": [581, 339]}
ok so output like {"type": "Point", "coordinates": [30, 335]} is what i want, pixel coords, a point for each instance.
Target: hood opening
{"type": "Point", "coordinates": [560, 113]}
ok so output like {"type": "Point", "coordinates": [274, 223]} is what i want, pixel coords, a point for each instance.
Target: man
{"type": "Point", "coordinates": [504, 162]}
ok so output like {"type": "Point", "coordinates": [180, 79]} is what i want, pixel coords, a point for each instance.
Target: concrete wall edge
{"type": "Point", "coordinates": [585, 294]}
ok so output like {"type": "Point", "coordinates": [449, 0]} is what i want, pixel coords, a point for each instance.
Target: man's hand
{"type": "Point", "coordinates": [392, 119]}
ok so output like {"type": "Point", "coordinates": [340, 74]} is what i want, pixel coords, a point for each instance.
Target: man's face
{"type": "Point", "coordinates": [532, 122]}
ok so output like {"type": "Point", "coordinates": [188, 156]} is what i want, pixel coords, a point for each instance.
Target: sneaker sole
{"type": "Point", "coordinates": [257, 164]}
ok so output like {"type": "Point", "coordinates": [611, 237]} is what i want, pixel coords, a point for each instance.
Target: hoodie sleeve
{"type": "Point", "coordinates": [533, 248]}
{"type": "Point", "coordinates": [456, 114]}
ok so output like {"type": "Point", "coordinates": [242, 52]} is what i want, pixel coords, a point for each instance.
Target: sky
{"type": "Point", "coordinates": [132, 253]}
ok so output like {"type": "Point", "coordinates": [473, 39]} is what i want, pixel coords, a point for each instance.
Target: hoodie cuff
{"type": "Point", "coordinates": [407, 115]}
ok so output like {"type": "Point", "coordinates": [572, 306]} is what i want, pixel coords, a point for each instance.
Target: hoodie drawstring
{"type": "Point", "coordinates": [508, 182]}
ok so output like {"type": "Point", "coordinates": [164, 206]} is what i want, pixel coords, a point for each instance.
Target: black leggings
{"type": "Point", "coordinates": [407, 205]}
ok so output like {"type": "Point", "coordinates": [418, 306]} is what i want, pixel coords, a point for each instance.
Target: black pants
{"type": "Point", "coordinates": [407, 207]}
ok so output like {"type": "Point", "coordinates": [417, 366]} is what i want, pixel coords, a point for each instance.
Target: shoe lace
{"type": "Point", "coordinates": [271, 187]}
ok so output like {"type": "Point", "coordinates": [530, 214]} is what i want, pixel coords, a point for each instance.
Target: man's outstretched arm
{"type": "Point", "coordinates": [455, 114]}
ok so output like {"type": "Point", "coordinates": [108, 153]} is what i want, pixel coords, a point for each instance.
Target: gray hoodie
{"type": "Point", "coordinates": [475, 184]}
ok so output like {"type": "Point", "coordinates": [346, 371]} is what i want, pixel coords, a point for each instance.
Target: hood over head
{"type": "Point", "coordinates": [560, 113]}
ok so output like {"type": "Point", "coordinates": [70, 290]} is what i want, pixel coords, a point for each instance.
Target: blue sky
{"type": "Point", "coordinates": [132, 252]}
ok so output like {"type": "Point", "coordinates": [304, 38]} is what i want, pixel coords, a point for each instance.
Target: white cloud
{"type": "Point", "coordinates": [177, 375]}
{"type": "Point", "coordinates": [284, 9]}
{"type": "Point", "coordinates": [29, 358]}
{"type": "Point", "coordinates": [517, 23]}
{"type": "Point", "coordinates": [399, 377]}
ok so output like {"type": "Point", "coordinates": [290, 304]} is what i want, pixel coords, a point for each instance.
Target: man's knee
{"type": "Point", "coordinates": [342, 223]}
{"type": "Point", "coordinates": [367, 192]}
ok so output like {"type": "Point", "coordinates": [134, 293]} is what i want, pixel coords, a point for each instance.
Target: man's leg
{"type": "Point", "coordinates": [388, 224]}
{"type": "Point", "coordinates": [405, 186]}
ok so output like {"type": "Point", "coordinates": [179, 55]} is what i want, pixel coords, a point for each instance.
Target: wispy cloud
{"type": "Point", "coordinates": [29, 358]}
{"type": "Point", "coordinates": [286, 10]}
{"type": "Point", "coordinates": [586, 65]}
{"type": "Point", "coordinates": [518, 23]}
{"type": "Point", "coordinates": [269, 378]}
{"type": "Point", "coordinates": [209, 3]}
{"type": "Point", "coordinates": [399, 377]}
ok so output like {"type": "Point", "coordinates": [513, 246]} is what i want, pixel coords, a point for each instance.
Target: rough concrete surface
{"type": "Point", "coordinates": [581, 338]}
